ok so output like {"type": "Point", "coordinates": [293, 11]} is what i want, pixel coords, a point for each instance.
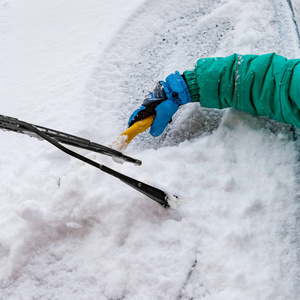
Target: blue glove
{"type": "Point", "coordinates": [162, 101]}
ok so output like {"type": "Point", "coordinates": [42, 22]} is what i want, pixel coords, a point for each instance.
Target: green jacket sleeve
{"type": "Point", "coordinates": [263, 85]}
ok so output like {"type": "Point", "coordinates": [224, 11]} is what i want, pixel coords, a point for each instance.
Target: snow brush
{"type": "Point", "coordinates": [121, 142]}
{"type": "Point", "coordinates": [56, 138]}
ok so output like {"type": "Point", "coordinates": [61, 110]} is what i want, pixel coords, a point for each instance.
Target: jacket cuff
{"type": "Point", "coordinates": [191, 80]}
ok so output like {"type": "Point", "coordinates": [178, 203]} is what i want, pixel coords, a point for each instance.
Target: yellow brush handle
{"type": "Point", "coordinates": [126, 137]}
{"type": "Point", "coordinates": [137, 127]}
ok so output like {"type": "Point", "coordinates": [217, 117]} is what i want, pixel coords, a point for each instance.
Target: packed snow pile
{"type": "Point", "coordinates": [69, 231]}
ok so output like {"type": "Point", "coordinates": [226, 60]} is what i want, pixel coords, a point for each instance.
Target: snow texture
{"type": "Point", "coordinates": [69, 231]}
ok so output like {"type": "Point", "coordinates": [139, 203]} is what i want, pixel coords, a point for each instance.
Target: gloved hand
{"type": "Point", "coordinates": [163, 100]}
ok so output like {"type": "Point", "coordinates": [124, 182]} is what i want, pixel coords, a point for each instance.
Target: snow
{"type": "Point", "coordinates": [70, 231]}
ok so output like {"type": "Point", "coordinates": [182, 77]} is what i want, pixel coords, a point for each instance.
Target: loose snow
{"type": "Point", "coordinates": [70, 231]}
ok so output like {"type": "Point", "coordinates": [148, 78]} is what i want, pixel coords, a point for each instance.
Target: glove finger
{"type": "Point", "coordinates": [164, 113]}
{"type": "Point", "coordinates": [144, 112]}
{"type": "Point", "coordinates": [131, 120]}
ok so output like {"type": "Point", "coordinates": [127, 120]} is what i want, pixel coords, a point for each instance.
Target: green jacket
{"type": "Point", "coordinates": [265, 85]}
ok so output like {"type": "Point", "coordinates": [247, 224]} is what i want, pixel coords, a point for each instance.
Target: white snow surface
{"type": "Point", "coordinates": [70, 231]}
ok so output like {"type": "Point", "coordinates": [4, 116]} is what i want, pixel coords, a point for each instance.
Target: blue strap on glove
{"type": "Point", "coordinates": [176, 89]}
{"type": "Point", "coordinates": [162, 101]}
